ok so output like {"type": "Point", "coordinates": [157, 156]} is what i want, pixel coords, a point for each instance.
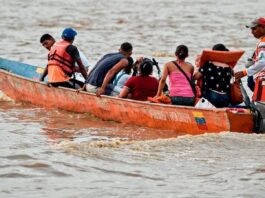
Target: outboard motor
{"type": "Point", "coordinates": [257, 108]}
{"type": "Point", "coordinates": [259, 113]}
{"type": "Point", "coordinates": [259, 98]}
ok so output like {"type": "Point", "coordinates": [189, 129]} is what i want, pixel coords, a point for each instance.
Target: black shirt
{"type": "Point", "coordinates": [215, 77]}
{"type": "Point", "coordinates": [73, 52]}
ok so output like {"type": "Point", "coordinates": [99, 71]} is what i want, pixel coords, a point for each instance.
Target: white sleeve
{"type": "Point", "coordinates": [123, 80]}
{"type": "Point", "coordinates": [258, 66]}
{"type": "Point", "coordinates": [83, 58]}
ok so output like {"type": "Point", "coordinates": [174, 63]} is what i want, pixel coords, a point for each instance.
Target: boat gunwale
{"type": "Point", "coordinates": [116, 98]}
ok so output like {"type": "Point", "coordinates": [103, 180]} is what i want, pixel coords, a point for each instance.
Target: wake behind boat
{"type": "Point", "coordinates": [20, 82]}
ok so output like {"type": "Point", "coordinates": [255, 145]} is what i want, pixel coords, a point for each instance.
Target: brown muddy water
{"type": "Point", "coordinates": [52, 153]}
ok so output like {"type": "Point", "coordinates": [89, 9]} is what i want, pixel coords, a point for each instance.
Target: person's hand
{"type": "Point", "coordinates": [41, 79]}
{"type": "Point", "coordinates": [156, 96]}
{"type": "Point", "coordinates": [100, 91]}
{"type": "Point", "coordinates": [81, 89]}
{"type": "Point", "coordinates": [239, 75]}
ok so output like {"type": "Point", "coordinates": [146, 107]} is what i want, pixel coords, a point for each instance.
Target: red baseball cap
{"type": "Point", "coordinates": [256, 22]}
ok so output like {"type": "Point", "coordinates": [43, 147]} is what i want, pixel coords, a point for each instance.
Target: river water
{"type": "Point", "coordinates": [53, 153]}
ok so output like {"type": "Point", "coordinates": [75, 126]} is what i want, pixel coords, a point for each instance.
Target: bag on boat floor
{"type": "Point", "coordinates": [204, 103]}
{"type": "Point", "coordinates": [161, 99]}
{"type": "Point", "coordinates": [236, 96]}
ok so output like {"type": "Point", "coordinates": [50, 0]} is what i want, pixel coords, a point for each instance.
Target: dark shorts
{"type": "Point", "coordinates": [185, 101]}
{"type": "Point", "coordinates": [73, 84]}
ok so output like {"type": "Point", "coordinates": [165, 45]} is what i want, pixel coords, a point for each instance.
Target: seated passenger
{"type": "Point", "coordinates": [216, 78]}
{"type": "Point", "coordinates": [121, 78]}
{"type": "Point", "coordinates": [142, 86]}
{"type": "Point", "coordinates": [61, 61]}
{"type": "Point", "coordinates": [47, 41]}
{"type": "Point", "coordinates": [180, 90]}
{"type": "Point", "coordinates": [100, 78]}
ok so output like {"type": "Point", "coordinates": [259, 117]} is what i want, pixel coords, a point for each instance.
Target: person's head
{"type": "Point", "coordinates": [220, 47]}
{"type": "Point", "coordinates": [182, 52]}
{"type": "Point", "coordinates": [47, 41]}
{"type": "Point", "coordinates": [257, 27]}
{"type": "Point", "coordinates": [146, 67]}
{"type": "Point", "coordinates": [126, 49]}
{"type": "Point", "coordinates": [128, 68]}
{"type": "Point", "coordinates": [69, 34]}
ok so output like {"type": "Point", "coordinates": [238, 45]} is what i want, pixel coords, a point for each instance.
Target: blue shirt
{"type": "Point", "coordinates": [98, 73]}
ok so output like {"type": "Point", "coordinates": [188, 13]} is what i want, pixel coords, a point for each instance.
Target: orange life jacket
{"type": "Point", "coordinates": [228, 57]}
{"type": "Point", "coordinates": [59, 56]}
{"type": "Point", "coordinates": [259, 91]}
{"type": "Point", "coordinates": [255, 58]}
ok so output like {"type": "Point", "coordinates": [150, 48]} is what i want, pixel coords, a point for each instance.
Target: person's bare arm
{"type": "Point", "coordinates": [82, 68]}
{"type": "Point", "coordinates": [124, 92]}
{"type": "Point", "coordinates": [197, 75]}
{"type": "Point", "coordinates": [162, 81]}
{"type": "Point", "coordinates": [111, 73]}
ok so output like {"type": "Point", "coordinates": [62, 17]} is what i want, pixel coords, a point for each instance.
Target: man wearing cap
{"type": "Point", "coordinates": [100, 78]}
{"type": "Point", "coordinates": [61, 61]}
{"type": "Point", "coordinates": [47, 42]}
{"type": "Point", "coordinates": [258, 30]}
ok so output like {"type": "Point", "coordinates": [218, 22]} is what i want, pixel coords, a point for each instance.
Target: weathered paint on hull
{"type": "Point", "coordinates": [177, 120]}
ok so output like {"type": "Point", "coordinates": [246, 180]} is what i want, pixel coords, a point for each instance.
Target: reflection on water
{"type": "Point", "coordinates": [52, 153]}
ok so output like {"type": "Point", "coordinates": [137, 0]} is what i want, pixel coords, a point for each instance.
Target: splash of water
{"type": "Point", "coordinates": [4, 97]}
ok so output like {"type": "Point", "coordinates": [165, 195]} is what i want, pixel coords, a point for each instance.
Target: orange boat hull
{"type": "Point", "coordinates": [177, 120]}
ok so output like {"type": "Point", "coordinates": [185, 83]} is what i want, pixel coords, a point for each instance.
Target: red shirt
{"type": "Point", "coordinates": [142, 87]}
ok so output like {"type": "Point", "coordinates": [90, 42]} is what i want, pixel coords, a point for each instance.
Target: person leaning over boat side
{"type": "Point", "coordinates": [143, 86]}
{"type": "Point", "coordinates": [122, 77]}
{"type": "Point", "coordinates": [258, 30]}
{"type": "Point", "coordinates": [47, 42]}
{"type": "Point", "coordinates": [100, 78]}
{"type": "Point", "coordinates": [61, 61]}
{"type": "Point", "coordinates": [180, 90]}
{"type": "Point", "coordinates": [216, 80]}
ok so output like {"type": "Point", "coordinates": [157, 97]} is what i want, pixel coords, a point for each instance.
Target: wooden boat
{"type": "Point", "coordinates": [20, 82]}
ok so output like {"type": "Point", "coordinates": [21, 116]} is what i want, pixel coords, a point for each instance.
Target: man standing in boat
{"type": "Point", "coordinates": [61, 61]}
{"type": "Point", "coordinates": [47, 42]}
{"type": "Point", "coordinates": [100, 78]}
{"type": "Point", "coordinates": [258, 30]}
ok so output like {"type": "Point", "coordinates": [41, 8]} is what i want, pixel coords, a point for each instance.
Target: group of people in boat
{"type": "Point", "coordinates": [112, 76]}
